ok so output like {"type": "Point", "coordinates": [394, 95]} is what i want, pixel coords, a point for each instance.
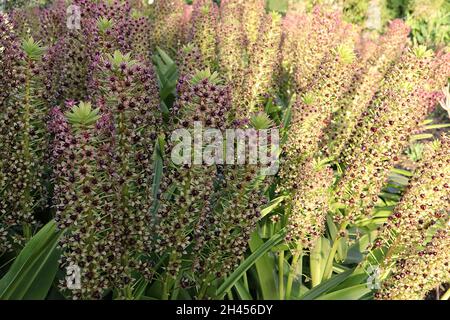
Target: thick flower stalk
{"type": "Point", "coordinates": [253, 12]}
{"type": "Point", "coordinates": [307, 40]}
{"type": "Point", "coordinates": [25, 21]}
{"type": "Point", "coordinates": [53, 22]}
{"type": "Point", "coordinates": [310, 205]}
{"type": "Point", "coordinates": [187, 187]}
{"type": "Point", "coordinates": [414, 264]}
{"type": "Point", "coordinates": [367, 46]}
{"type": "Point", "coordinates": [367, 79]}
{"type": "Point", "coordinates": [71, 58]}
{"type": "Point", "coordinates": [203, 33]}
{"type": "Point", "coordinates": [9, 56]}
{"type": "Point", "coordinates": [23, 136]}
{"type": "Point", "coordinates": [84, 197]}
{"type": "Point", "coordinates": [139, 36]}
{"type": "Point", "coordinates": [223, 233]}
{"type": "Point", "coordinates": [167, 24]}
{"type": "Point", "coordinates": [189, 60]}
{"type": "Point", "coordinates": [313, 111]}
{"type": "Point", "coordinates": [425, 204]}
{"type": "Point", "coordinates": [420, 272]}
{"type": "Point", "coordinates": [231, 44]}
{"type": "Point", "coordinates": [46, 24]}
{"type": "Point", "coordinates": [128, 96]}
{"type": "Point", "coordinates": [426, 200]}
{"type": "Point", "coordinates": [396, 112]}
{"type": "Point", "coordinates": [263, 63]}
{"type": "Point", "coordinates": [105, 27]}
{"type": "Point", "coordinates": [294, 46]}
{"type": "Point", "coordinates": [129, 91]}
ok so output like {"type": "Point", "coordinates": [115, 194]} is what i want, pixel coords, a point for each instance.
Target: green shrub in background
{"type": "Point", "coordinates": [354, 11]}
{"type": "Point", "coordinates": [429, 21]}
{"type": "Point", "coordinates": [11, 4]}
{"type": "Point", "coordinates": [344, 211]}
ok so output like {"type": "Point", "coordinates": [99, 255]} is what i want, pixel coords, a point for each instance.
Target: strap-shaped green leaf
{"type": "Point", "coordinates": [32, 273]}
{"type": "Point", "coordinates": [264, 268]}
{"type": "Point", "coordinates": [326, 286]}
{"type": "Point", "coordinates": [351, 293]}
{"type": "Point", "coordinates": [248, 263]}
{"type": "Point", "coordinates": [242, 291]}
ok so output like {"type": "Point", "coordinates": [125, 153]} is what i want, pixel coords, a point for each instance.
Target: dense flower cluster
{"type": "Point", "coordinates": [253, 12]}
{"type": "Point", "coordinates": [203, 30]}
{"type": "Point", "coordinates": [23, 135]}
{"type": "Point", "coordinates": [416, 235]}
{"type": "Point", "coordinates": [414, 263]}
{"type": "Point", "coordinates": [375, 63]}
{"type": "Point", "coordinates": [426, 201]}
{"type": "Point", "coordinates": [106, 167]}
{"type": "Point", "coordinates": [73, 52]}
{"type": "Point", "coordinates": [223, 233]}
{"type": "Point", "coordinates": [202, 101]}
{"type": "Point", "coordinates": [243, 41]}
{"type": "Point", "coordinates": [420, 271]}
{"type": "Point", "coordinates": [129, 90]}
{"type": "Point", "coordinates": [94, 117]}
{"type": "Point", "coordinates": [310, 205]}
{"type": "Point", "coordinates": [189, 60]}
{"type": "Point", "coordinates": [395, 113]}
{"type": "Point", "coordinates": [312, 112]}
{"type": "Point", "coordinates": [84, 197]}
{"type": "Point", "coordinates": [307, 39]}
{"type": "Point", "coordinates": [263, 63]}
{"type": "Point", "coordinates": [231, 41]}
{"type": "Point", "coordinates": [97, 164]}
{"type": "Point", "coordinates": [168, 28]}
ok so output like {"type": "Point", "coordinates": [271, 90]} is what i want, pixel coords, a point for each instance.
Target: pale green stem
{"type": "Point", "coordinates": [446, 295]}
{"type": "Point", "coordinates": [293, 270]}
{"type": "Point", "coordinates": [245, 278]}
{"type": "Point", "coordinates": [281, 275]}
{"type": "Point", "coordinates": [329, 265]}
